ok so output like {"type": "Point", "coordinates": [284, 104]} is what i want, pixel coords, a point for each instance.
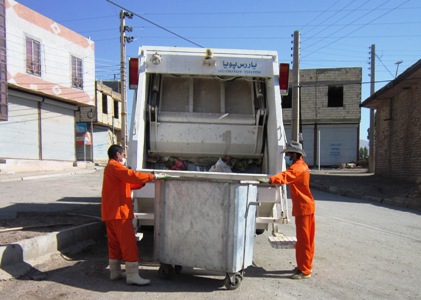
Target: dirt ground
{"type": "Point", "coordinates": [355, 183]}
{"type": "Point", "coordinates": [358, 183]}
{"type": "Point", "coordinates": [32, 224]}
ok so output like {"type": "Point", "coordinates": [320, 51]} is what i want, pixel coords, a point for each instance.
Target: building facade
{"type": "Point", "coordinates": [101, 124]}
{"type": "Point", "coordinates": [50, 75]}
{"type": "Point", "coordinates": [330, 114]}
{"type": "Point", "coordinates": [398, 126]}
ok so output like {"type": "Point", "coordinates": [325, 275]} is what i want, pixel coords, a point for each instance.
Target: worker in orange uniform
{"type": "Point", "coordinates": [303, 206]}
{"type": "Point", "coordinates": [117, 213]}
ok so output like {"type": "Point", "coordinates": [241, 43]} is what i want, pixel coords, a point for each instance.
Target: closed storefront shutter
{"type": "Point", "coordinates": [58, 131]}
{"type": "Point", "coordinates": [19, 136]}
{"type": "Point", "coordinates": [338, 144]}
{"type": "Point", "coordinates": [103, 140]}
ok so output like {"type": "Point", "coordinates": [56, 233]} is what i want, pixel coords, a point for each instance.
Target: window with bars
{"type": "Point", "coordinates": [77, 72]}
{"type": "Point", "coordinates": [33, 57]}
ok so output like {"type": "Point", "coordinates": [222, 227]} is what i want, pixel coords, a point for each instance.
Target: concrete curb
{"type": "Point", "coordinates": [32, 176]}
{"type": "Point", "coordinates": [18, 258]}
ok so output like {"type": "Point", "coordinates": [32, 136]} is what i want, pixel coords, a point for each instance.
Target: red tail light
{"type": "Point", "coordinates": [133, 73]}
{"type": "Point", "coordinates": [283, 78]}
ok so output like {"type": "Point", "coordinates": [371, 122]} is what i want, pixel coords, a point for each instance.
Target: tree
{"type": "Point", "coordinates": [363, 153]}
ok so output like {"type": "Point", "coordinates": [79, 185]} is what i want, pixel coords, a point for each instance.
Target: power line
{"type": "Point", "coordinates": [387, 12]}
{"type": "Point", "coordinates": [316, 26]}
{"type": "Point", "coordinates": [378, 57]}
{"type": "Point", "coordinates": [352, 11]}
{"type": "Point", "coordinates": [283, 12]}
{"type": "Point", "coordinates": [157, 25]}
{"type": "Point", "coordinates": [340, 29]}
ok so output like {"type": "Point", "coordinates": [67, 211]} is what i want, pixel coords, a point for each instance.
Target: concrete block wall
{"type": "Point", "coordinates": [314, 96]}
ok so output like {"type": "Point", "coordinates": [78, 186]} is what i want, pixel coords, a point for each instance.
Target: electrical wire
{"type": "Point", "coordinates": [382, 15]}
{"type": "Point", "coordinates": [339, 19]}
{"type": "Point", "coordinates": [157, 25]}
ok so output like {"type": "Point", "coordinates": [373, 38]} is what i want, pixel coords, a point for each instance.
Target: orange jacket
{"type": "Point", "coordinates": [298, 177]}
{"type": "Point", "coordinates": [118, 182]}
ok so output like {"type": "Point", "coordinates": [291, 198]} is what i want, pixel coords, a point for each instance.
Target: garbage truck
{"type": "Point", "coordinates": [212, 120]}
{"type": "Point", "coordinates": [194, 109]}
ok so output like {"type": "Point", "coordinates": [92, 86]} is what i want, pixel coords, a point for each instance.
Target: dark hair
{"type": "Point", "coordinates": [113, 150]}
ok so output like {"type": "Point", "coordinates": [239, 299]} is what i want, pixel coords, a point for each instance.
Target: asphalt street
{"type": "Point", "coordinates": [363, 251]}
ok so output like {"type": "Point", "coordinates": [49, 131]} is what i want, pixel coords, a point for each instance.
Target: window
{"type": "Point", "coordinates": [116, 109]}
{"type": "Point", "coordinates": [104, 104]}
{"type": "Point", "coordinates": [33, 57]}
{"type": "Point", "coordinates": [77, 73]}
{"type": "Point", "coordinates": [287, 99]}
{"type": "Point", "coordinates": [335, 96]}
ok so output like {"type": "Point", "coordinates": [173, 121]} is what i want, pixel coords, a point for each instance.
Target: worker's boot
{"type": "Point", "coordinates": [132, 272]}
{"type": "Point", "coordinates": [115, 269]}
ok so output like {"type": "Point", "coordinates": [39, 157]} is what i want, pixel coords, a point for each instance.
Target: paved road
{"type": "Point", "coordinates": [363, 251]}
{"type": "Point", "coordinates": [49, 192]}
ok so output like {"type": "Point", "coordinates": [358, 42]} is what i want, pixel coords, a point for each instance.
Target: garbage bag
{"type": "Point", "coordinates": [220, 166]}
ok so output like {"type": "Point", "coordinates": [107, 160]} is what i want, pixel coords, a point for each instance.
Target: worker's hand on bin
{"type": "Point", "coordinates": [264, 180]}
{"type": "Point", "coordinates": [161, 176]}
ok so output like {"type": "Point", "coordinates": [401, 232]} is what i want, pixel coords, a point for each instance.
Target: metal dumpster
{"type": "Point", "coordinates": [205, 222]}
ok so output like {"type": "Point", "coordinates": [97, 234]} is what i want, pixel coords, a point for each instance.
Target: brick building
{"type": "Point", "coordinates": [398, 126]}
{"type": "Point", "coordinates": [330, 111]}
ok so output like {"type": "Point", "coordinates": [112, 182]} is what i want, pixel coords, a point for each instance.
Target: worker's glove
{"type": "Point", "coordinates": [161, 176]}
{"type": "Point", "coordinates": [264, 180]}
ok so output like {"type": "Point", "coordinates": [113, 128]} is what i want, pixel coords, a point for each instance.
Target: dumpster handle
{"type": "Point", "coordinates": [256, 203]}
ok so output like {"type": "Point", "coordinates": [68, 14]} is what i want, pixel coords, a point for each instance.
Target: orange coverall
{"type": "Point", "coordinates": [303, 209]}
{"type": "Point", "coordinates": [117, 209]}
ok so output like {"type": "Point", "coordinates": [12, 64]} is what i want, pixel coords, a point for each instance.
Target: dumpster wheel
{"type": "Point", "coordinates": [233, 281]}
{"type": "Point", "coordinates": [166, 271]}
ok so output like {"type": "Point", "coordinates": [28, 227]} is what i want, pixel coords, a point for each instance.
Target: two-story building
{"type": "Point", "coordinates": [50, 75]}
{"type": "Point", "coordinates": [330, 114]}
{"type": "Point", "coordinates": [101, 124]}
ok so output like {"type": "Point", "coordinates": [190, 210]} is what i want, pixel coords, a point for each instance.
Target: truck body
{"type": "Point", "coordinates": [213, 111]}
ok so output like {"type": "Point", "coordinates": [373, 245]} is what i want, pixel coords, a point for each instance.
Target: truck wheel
{"type": "Point", "coordinates": [259, 231]}
{"type": "Point", "coordinates": [178, 269]}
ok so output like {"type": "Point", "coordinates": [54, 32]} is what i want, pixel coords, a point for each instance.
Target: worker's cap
{"type": "Point", "coordinates": [294, 147]}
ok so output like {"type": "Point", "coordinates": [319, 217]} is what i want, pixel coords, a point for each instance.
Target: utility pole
{"type": "Point", "coordinates": [123, 40]}
{"type": "Point", "coordinates": [295, 120]}
{"type": "Point", "coordinates": [371, 135]}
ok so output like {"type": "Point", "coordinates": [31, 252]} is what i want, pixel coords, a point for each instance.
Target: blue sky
{"type": "Point", "coordinates": [333, 33]}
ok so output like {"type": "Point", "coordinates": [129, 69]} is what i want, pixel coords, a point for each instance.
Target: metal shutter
{"type": "Point", "coordinates": [338, 144]}
{"type": "Point", "coordinates": [19, 135]}
{"type": "Point", "coordinates": [102, 141]}
{"type": "Point", "coordinates": [58, 132]}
